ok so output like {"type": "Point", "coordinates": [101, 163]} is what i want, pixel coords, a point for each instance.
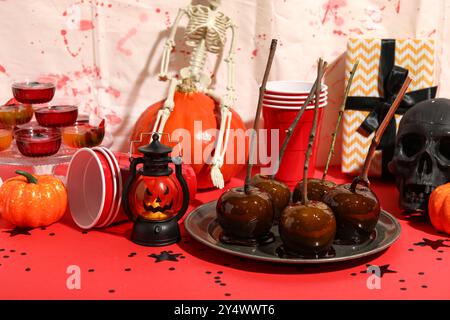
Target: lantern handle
{"type": "Point", "coordinates": [126, 207]}
{"type": "Point", "coordinates": [141, 136]}
{"type": "Point", "coordinates": [177, 161]}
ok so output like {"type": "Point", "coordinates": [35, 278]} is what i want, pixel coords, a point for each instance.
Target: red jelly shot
{"type": "Point", "coordinates": [37, 141]}
{"type": "Point", "coordinates": [33, 92]}
{"type": "Point", "coordinates": [56, 116]}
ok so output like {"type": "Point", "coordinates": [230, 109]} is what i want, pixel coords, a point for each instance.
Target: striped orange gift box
{"type": "Point", "coordinates": [417, 56]}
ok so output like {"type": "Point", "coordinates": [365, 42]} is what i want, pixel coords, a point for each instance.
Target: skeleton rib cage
{"type": "Point", "coordinates": [206, 25]}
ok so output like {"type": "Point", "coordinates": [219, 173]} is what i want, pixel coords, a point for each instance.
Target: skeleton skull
{"type": "Point", "coordinates": [214, 4]}
{"type": "Point", "coordinates": [421, 160]}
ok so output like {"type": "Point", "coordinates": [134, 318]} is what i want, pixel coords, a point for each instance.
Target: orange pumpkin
{"type": "Point", "coordinates": [189, 108]}
{"type": "Point", "coordinates": [30, 201]}
{"type": "Point", "coordinates": [439, 208]}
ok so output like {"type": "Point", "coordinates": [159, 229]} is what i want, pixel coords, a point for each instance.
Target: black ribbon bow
{"type": "Point", "coordinates": [390, 80]}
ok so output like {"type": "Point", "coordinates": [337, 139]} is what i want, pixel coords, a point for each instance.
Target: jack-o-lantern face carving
{"type": "Point", "coordinates": [155, 198]}
{"type": "Point", "coordinates": [158, 203]}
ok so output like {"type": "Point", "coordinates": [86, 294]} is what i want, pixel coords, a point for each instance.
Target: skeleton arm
{"type": "Point", "coordinates": [225, 105]}
{"type": "Point", "coordinates": [231, 94]}
{"type": "Point", "coordinates": [170, 44]}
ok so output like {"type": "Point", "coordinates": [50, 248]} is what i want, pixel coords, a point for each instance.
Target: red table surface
{"type": "Point", "coordinates": [35, 266]}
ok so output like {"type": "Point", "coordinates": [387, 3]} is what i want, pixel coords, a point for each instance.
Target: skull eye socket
{"type": "Point", "coordinates": [444, 147]}
{"type": "Point", "coordinates": [412, 143]}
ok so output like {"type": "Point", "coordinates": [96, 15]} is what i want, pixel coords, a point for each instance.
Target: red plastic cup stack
{"type": "Point", "coordinates": [282, 101]}
{"type": "Point", "coordinates": [95, 180]}
{"type": "Point", "coordinates": [94, 185]}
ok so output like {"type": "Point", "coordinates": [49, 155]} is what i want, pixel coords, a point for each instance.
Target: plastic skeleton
{"type": "Point", "coordinates": [206, 32]}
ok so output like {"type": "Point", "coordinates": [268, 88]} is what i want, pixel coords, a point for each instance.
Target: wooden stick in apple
{"type": "Point", "coordinates": [363, 177]}
{"type": "Point", "coordinates": [292, 127]}
{"type": "Point", "coordinates": [308, 228]}
{"type": "Point", "coordinates": [262, 89]}
{"type": "Point", "coordinates": [246, 214]}
{"type": "Point", "coordinates": [317, 188]}
{"type": "Point", "coordinates": [339, 119]}
{"type": "Point", "coordinates": [356, 207]}
{"type": "Point", "coordinates": [322, 66]}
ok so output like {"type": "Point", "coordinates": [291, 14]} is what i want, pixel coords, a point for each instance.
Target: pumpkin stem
{"type": "Point", "coordinates": [29, 176]}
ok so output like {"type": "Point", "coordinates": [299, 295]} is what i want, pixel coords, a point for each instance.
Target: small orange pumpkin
{"type": "Point", "coordinates": [30, 201]}
{"type": "Point", "coordinates": [439, 208]}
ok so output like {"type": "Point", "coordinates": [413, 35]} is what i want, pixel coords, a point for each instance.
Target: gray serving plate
{"type": "Point", "coordinates": [202, 225]}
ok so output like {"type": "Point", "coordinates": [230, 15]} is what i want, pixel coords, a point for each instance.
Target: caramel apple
{"type": "Point", "coordinates": [246, 213]}
{"type": "Point", "coordinates": [317, 189]}
{"type": "Point", "coordinates": [278, 191]}
{"type": "Point", "coordinates": [356, 212]}
{"type": "Point", "coordinates": [355, 205]}
{"type": "Point", "coordinates": [245, 217]}
{"type": "Point", "coordinates": [308, 228]}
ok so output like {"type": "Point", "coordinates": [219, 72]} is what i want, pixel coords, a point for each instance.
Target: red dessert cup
{"type": "Point", "coordinates": [33, 92]}
{"type": "Point", "coordinates": [83, 135]}
{"type": "Point", "coordinates": [38, 141]}
{"type": "Point", "coordinates": [15, 114]}
{"type": "Point", "coordinates": [6, 137]}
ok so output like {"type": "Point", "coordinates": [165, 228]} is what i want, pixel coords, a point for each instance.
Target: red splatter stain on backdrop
{"type": "Point", "coordinates": [75, 53]}
{"type": "Point", "coordinates": [80, 83]}
{"type": "Point", "coordinates": [356, 31]}
{"type": "Point", "coordinates": [167, 21]}
{"type": "Point", "coordinates": [112, 91]}
{"type": "Point", "coordinates": [120, 44]}
{"type": "Point", "coordinates": [86, 25]}
{"type": "Point", "coordinates": [397, 8]}
{"type": "Point", "coordinates": [331, 7]}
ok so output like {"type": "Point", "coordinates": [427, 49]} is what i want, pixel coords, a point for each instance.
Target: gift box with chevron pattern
{"type": "Point", "coordinates": [418, 56]}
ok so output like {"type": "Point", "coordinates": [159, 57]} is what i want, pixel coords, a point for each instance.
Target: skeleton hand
{"type": "Point", "coordinates": [216, 175]}
{"type": "Point", "coordinates": [229, 99]}
{"type": "Point", "coordinates": [168, 105]}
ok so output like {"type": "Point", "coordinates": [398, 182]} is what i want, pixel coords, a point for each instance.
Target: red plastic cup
{"type": "Point", "coordinates": [290, 170]}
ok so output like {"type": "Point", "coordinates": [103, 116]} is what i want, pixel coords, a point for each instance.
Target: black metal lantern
{"type": "Point", "coordinates": [152, 198]}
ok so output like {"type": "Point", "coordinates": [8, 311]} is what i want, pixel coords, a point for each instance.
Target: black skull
{"type": "Point", "coordinates": [421, 160]}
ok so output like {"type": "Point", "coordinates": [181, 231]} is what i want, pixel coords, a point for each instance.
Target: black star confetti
{"type": "Point", "coordinates": [165, 256]}
{"type": "Point", "coordinates": [16, 231]}
{"type": "Point", "coordinates": [383, 269]}
{"type": "Point", "coordinates": [434, 244]}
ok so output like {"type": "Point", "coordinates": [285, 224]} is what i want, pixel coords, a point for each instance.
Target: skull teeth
{"type": "Point", "coordinates": [417, 193]}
